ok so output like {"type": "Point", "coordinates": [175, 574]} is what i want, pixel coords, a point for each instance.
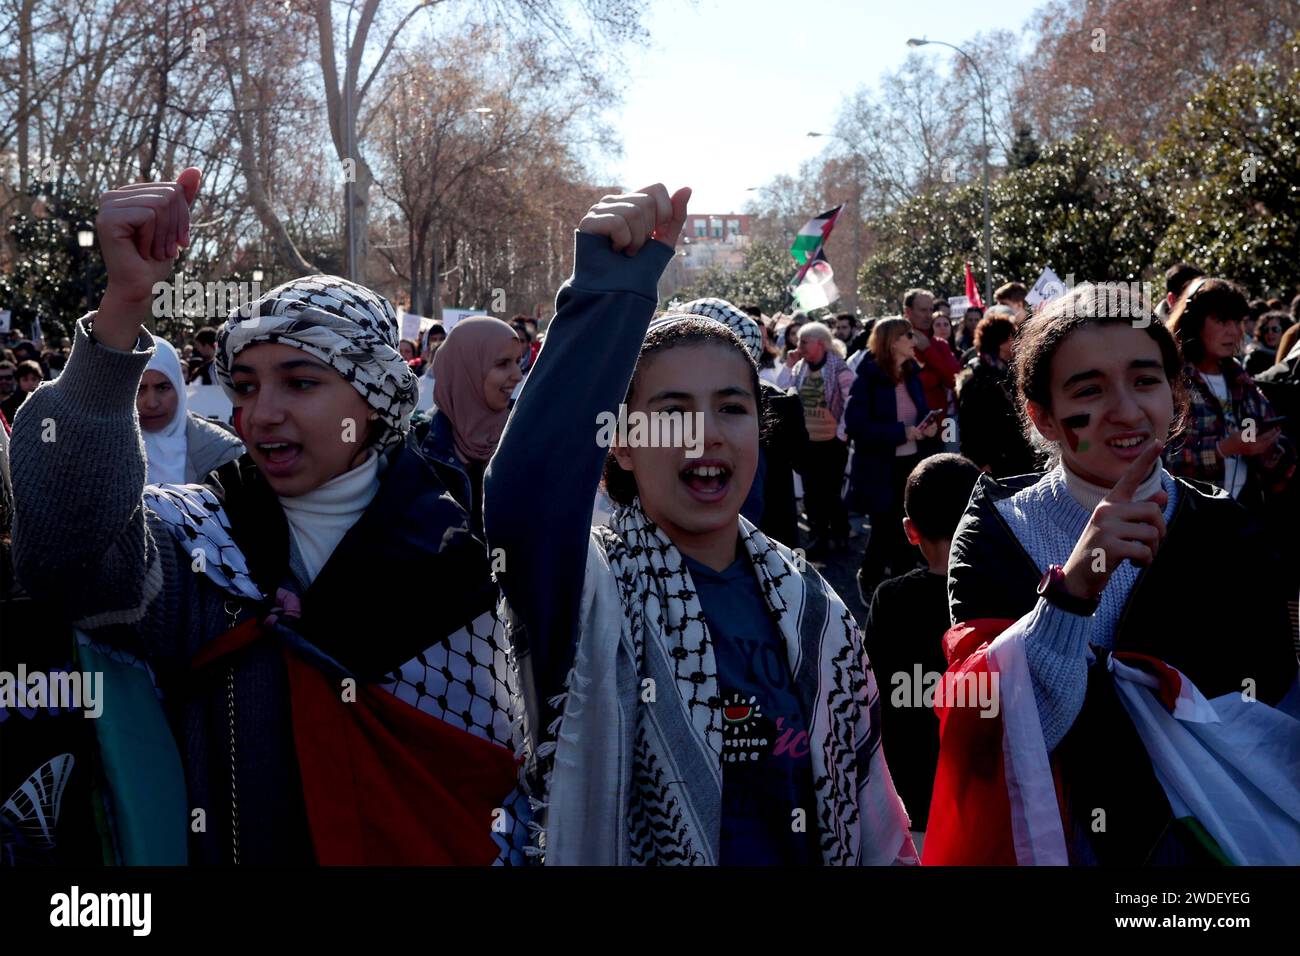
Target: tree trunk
{"type": "Point", "coordinates": [25, 40]}
{"type": "Point", "coordinates": [435, 296]}
{"type": "Point", "coordinates": [286, 253]}
{"type": "Point", "coordinates": [359, 218]}
{"type": "Point", "coordinates": [415, 263]}
{"type": "Point", "coordinates": [160, 105]}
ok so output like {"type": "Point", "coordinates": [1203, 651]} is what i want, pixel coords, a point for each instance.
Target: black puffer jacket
{"type": "Point", "coordinates": [1281, 386]}
{"type": "Point", "coordinates": [990, 430]}
{"type": "Point", "coordinates": [783, 443]}
{"type": "Point", "coordinates": [1209, 605]}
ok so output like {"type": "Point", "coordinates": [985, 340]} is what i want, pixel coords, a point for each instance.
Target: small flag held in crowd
{"type": "Point", "coordinates": [818, 289]}
{"type": "Point", "coordinates": [972, 290]}
{"type": "Point", "coordinates": [808, 243]}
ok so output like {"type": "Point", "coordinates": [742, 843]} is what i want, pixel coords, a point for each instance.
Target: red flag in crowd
{"type": "Point", "coordinates": [972, 290]}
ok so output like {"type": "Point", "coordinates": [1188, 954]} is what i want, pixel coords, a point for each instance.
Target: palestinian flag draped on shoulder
{"type": "Point", "coordinates": [1229, 766]}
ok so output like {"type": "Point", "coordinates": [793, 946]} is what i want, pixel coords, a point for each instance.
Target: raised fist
{"type": "Point", "coordinates": [632, 219]}
{"type": "Point", "coordinates": [141, 229]}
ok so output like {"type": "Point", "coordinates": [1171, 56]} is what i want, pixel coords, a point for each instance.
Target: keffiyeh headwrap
{"type": "Point", "coordinates": [720, 310]}
{"type": "Point", "coordinates": [346, 326]}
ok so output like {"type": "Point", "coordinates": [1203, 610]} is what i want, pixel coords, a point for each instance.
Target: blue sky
{"type": "Point", "coordinates": [724, 94]}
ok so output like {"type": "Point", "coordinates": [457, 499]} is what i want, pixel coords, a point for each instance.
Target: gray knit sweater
{"type": "Point", "coordinates": [1048, 521]}
{"type": "Point", "coordinates": [84, 542]}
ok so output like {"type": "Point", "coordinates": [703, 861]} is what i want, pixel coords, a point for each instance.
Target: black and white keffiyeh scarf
{"type": "Point", "coordinates": [351, 329]}
{"type": "Point", "coordinates": [720, 310]}
{"type": "Point", "coordinates": [637, 758]}
{"type": "Point", "coordinates": [466, 679]}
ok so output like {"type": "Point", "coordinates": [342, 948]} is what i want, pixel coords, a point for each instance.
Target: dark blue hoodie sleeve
{"type": "Point", "coordinates": [541, 483]}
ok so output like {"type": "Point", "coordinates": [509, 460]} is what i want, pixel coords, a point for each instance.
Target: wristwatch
{"type": "Point", "coordinates": [1052, 587]}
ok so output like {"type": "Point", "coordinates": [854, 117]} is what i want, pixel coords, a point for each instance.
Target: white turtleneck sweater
{"type": "Point", "coordinates": [319, 519]}
{"type": "Point", "coordinates": [1090, 495]}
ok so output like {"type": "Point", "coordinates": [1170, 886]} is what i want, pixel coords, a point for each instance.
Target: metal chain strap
{"type": "Point", "coordinates": [234, 776]}
{"type": "Point", "coordinates": [234, 783]}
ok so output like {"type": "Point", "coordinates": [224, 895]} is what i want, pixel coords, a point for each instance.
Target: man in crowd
{"type": "Point", "coordinates": [534, 338]}
{"type": "Point", "coordinates": [519, 324]}
{"type": "Point", "coordinates": [29, 375]}
{"type": "Point", "coordinates": [846, 325]}
{"type": "Point", "coordinates": [26, 351]}
{"type": "Point", "coordinates": [1013, 295]}
{"type": "Point", "coordinates": [1177, 278]}
{"type": "Point", "coordinates": [8, 379]}
{"type": "Point", "coordinates": [939, 367]}
{"type": "Point", "coordinates": [966, 336]}
{"type": "Point", "coordinates": [205, 348]}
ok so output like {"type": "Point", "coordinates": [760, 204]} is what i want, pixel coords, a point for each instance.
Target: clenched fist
{"type": "Point", "coordinates": [633, 219]}
{"type": "Point", "coordinates": [141, 228]}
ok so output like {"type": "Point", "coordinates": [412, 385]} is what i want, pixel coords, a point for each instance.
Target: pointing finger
{"type": "Point", "coordinates": [1136, 473]}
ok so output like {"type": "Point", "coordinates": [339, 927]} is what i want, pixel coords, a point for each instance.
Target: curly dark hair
{"type": "Point", "coordinates": [1088, 304]}
{"type": "Point", "coordinates": [693, 332]}
{"type": "Point", "coordinates": [991, 333]}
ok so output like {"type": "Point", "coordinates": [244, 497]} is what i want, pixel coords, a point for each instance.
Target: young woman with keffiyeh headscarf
{"type": "Point", "coordinates": [702, 696]}
{"type": "Point", "coordinates": [307, 727]}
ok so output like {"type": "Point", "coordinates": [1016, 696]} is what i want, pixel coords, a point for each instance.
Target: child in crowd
{"type": "Point", "coordinates": [905, 625]}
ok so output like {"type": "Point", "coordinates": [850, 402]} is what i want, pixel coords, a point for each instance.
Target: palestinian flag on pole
{"type": "Point", "coordinates": [809, 241]}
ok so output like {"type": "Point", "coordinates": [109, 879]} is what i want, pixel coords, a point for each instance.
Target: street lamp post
{"type": "Point", "coordinates": [984, 134]}
{"type": "Point", "coordinates": [857, 210]}
{"type": "Point", "coordinates": [86, 239]}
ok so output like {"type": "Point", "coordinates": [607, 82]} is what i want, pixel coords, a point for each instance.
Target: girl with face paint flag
{"type": "Point", "coordinates": [307, 727]}
{"type": "Point", "coordinates": [1077, 590]}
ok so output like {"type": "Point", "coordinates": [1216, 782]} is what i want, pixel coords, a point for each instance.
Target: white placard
{"type": "Point", "coordinates": [1048, 287]}
{"type": "Point", "coordinates": [452, 316]}
{"type": "Point", "coordinates": [208, 401]}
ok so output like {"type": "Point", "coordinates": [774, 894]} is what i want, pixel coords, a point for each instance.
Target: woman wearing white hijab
{"type": "Point", "coordinates": [181, 447]}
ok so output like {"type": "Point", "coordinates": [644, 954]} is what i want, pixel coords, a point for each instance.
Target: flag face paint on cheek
{"type": "Point", "coordinates": [1072, 425]}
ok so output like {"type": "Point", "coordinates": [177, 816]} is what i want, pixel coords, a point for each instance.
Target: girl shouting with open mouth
{"type": "Point", "coordinates": [707, 697]}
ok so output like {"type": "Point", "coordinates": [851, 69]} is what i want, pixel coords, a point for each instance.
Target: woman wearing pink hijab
{"type": "Point", "coordinates": [474, 372]}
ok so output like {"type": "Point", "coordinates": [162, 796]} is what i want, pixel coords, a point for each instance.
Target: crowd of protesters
{"type": "Point", "coordinates": [670, 679]}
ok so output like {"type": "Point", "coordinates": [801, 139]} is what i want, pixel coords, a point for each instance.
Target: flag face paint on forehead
{"type": "Point", "coordinates": [346, 326]}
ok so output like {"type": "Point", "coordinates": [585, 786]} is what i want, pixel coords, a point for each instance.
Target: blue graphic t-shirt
{"type": "Point", "coordinates": [766, 768]}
